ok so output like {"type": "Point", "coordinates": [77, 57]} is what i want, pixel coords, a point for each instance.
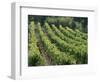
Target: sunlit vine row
{"type": "Point", "coordinates": [68, 34]}
{"type": "Point", "coordinates": [34, 56]}
{"type": "Point", "coordinates": [76, 32]}
{"type": "Point", "coordinates": [63, 37]}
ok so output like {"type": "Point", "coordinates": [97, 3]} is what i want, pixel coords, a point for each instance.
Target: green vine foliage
{"type": "Point", "coordinates": [62, 45]}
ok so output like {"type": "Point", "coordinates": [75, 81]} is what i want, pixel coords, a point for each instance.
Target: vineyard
{"type": "Point", "coordinates": [50, 43]}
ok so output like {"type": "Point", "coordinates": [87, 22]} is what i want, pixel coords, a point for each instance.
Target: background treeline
{"type": "Point", "coordinates": [74, 23]}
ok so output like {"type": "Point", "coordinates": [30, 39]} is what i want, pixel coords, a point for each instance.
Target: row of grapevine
{"type": "Point", "coordinates": [77, 33]}
{"type": "Point", "coordinates": [68, 34]}
{"type": "Point", "coordinates": [56, 56]}
{"type": "Point", "coordinates": [34, 57]}
{"type": "Point", "coordinates": [63, 37]}
{"type": "Point", "coordinates": [79, 52]}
